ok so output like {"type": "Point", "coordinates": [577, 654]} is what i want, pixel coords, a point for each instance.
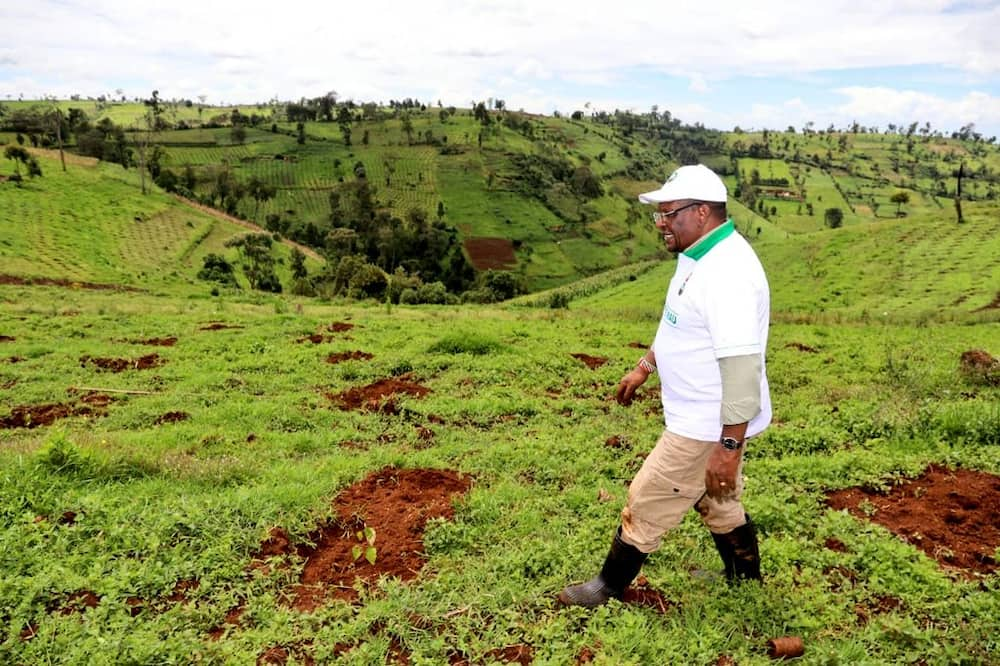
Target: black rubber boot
{"type": "Point", "coordinates": [621, 566]}
{"type": "Point", "coordinates": [739, 552]}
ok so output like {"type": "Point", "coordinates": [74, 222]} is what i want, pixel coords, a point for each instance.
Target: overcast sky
{"type": "Point", "coordinates": [727, 63]}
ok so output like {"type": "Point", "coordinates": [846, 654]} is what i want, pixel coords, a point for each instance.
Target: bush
{"type": "Point", "coordinates": [465, 343]}
{"type": "Point", "coordinates": [434, 293]}
{"type": "Point", "coordinates": [215, 268]}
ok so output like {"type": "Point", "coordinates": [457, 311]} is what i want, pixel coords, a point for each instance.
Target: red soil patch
{"type": "Point", "coordinates": [591, 361]}
{"type": "Point", "coordinates": [378, 397]}
{"type": "Point", "coordinates": [315, 338]}
{"type": "Point", "coordinates": [232, 619]}
{"type": "Point", "coordinates": [511, 654]}
{"type": "Point", "coordinates": [348, 356]}
{"type": "Point", "coordinates": [15, 359]}
{"type": "Point", "coordinates": [52, 282]}
{"type": "Point", "coordinates": [396, 503]}
{"type": "Point", "coordinates": [992, 305]}
{"type": "Point", "coordinates": [121, 364]}
{"type": "Point", "coordinates": [7, 338]}
{"type": "Point", "coordinates": [79, 601]}
{"type": "Point", "coordinates": [638, 345]}
{"type": "Point", "coordinates": [95, 399]}
{"type": "Point", "coordinates": [486, 253]}
{"type": "Point", "coordinates": [641, 594]}
{"type": "Point", "coordinates": [980, 366]}
{"type": "Point", "coordinates": [218, 326]}
{"type": "Point", "coordinates": [280, 654]}
{"type": "Point", "coordinates": [614, 442]}
{"type": "Point", "coordinates": [339, 327]}
{"type": "Point", "coordinates": [156, 342]}
{"type": "Point", "coordinates": [802, 348]}
{"type": "Point", "coordinates": [172, 417]}
{"type": "Point", "coordinates": [33, 416]}
{"type": "Point", "coordinates": [951, 515]}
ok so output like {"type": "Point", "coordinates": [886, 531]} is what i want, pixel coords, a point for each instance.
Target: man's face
{"type": "Point", "coordinates": [681, 223]}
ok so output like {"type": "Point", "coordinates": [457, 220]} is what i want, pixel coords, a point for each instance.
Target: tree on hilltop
{"type": "Point", "coordinates": [899, 198]}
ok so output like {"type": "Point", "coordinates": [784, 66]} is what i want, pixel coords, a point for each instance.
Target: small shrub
{"type": "Point", "coordinates": [61, 456]}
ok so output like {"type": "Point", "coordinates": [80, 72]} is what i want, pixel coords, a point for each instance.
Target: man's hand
{"type": "Point", "coordinates": [720, 472]}
{"type": "Point", "coordinates": [628, 385]}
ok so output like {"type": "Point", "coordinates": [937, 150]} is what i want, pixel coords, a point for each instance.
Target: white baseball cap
{"type": "Point", "coordinates": [696, 182]}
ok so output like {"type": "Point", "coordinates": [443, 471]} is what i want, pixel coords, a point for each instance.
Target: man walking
{"type": "Point", "coordinates": [709, 354]}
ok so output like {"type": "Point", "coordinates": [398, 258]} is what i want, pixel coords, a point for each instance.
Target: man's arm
{"type": "Point", "coordinates": [740, 402]}
{"type": "Point", "coordinates": [636, 378]}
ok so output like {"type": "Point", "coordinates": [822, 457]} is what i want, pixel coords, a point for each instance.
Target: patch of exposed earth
{"type": "Point", "coordinates": [33, 416]}
{"type": "Point", "coordinates": [953, 516]}
{"type": "Point", "coordinates": [218, 326]}
{"type": "Point", "coordinates": [590, 361]}
{"type": "Point", "coordinates": [378, 396]}
{"type": "Point", "coordinates": [62, 282]}
{"type": "Point", "coordinates": [396, 504]}
{"type": "Point", "coordinates": [156, 342]}
{"type": "Point", "coordinates": [340, 357]}
{"type": "Point", "coordinates": [122, 364]}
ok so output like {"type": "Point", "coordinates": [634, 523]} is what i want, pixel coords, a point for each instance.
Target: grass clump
{"type": "Point", "coordinates": [465, 343]}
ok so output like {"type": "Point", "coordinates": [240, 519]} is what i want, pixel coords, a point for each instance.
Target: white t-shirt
{"type": "Point", "coordinates": [718, 305]}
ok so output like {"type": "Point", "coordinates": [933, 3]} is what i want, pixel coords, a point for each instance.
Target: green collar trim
{"type": "Point", "coordinates": [706, 243]}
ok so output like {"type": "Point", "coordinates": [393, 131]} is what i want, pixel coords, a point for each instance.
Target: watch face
{"type": "Point", "coordinates": [731, 444]}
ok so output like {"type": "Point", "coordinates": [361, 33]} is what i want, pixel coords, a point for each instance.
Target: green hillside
{"type": "Point", "coordinates": [92, 224]}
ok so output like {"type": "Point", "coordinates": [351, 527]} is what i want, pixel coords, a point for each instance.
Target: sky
{"type": "Point", "coordinates": [723, 63]}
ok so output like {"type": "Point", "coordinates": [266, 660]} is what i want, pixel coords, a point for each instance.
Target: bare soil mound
{"type": "Point", "coordinates": [590, 361]}
{"type": "Point", "coordinates": [349, 356]}
{"type": "Point", "coordinates": [980, 367]}
{"type": "Point", "coordinates": [172, 417]}
{"type": "Point", "coordinates": [951, 515]}
{"type": "Point", "coordinates": [61, 282]}
{"type": "Point", "coordinates": [218, 326]}
{"type": "Point", "coordinates": [378, 397]}
{"type": "Point", "coordinates": [992, 305]}
{"type": "Point", "coordinates": [33, 416]}
{"type": "Point", "coordinates": [396, 503]}
{"type": "Point", "coordinates": [339, 326]}
{"type": "Point", "coordinates": [486, 253]}
{"type": "Point", "coordinates": [7, 338]}
{"type": "Point", "coordinates": [801, 347]}
{"type": "Point", "coordinates": [641, 594]}
{"type": "Point", "coordinates": [156, 342]}
{"type": "Point", "coordinates": [121, 364]}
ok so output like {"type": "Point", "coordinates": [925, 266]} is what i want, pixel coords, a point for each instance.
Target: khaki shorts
{"type": "Point", "coordinates": [672, 481]}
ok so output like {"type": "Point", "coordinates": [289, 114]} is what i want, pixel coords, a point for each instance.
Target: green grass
{"type": "Point", "coordinates": [193, 500]}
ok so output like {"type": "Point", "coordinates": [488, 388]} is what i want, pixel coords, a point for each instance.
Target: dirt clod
{"type": "Point", "coordinates": [33, 416]}
{"type": "Point", "coordinates": [396, 503]}
{"type": "Point", "coordinates": [171, 417]}
{"type": "Point", "coordinates": [156, 342]}
{"type": "Point", "coordinates": [378, 396]}
{"type": "Point", "coordinates": [121, 364]}
{"type": "Point", "coordinates": [980, 367]}
{"type": "Point", "coordinates": [801, 347]}
{"type": "Point", "coordinates": [218, 326]}
{"type": "Point", "coordinates": [348, 356]}
{"type": "Point", "coordinates": [590, 361]}
{"type": "Point", "coordinates": [7, 338]}
{"type": "Point", "coordinates": [953, 516]}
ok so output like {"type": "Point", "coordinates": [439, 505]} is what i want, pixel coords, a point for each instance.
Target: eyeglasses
{"type": "Point", "coordinates": [664, 215]}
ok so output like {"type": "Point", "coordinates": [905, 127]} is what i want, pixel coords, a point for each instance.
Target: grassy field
{"type": "Point", "coordinates": [155, 503]}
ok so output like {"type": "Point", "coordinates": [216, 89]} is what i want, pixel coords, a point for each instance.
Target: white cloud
{"type": "Point", "coordinates": [460, 50]}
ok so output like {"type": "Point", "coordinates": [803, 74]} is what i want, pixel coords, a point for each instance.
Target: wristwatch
{"type": "Point", "coordinates": [731, 444]}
